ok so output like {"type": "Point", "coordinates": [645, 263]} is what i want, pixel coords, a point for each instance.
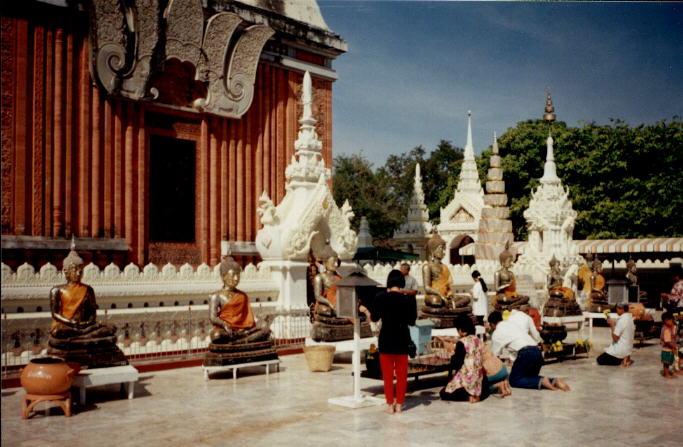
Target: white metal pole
{"type": "Point", "coordinates": [356, 352]}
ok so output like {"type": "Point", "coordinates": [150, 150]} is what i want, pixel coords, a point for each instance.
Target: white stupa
{"type": "Point", "coordinates": [306, 218]}
{"type": "Point", "coordinates": [550, 217]}
{"type": "Point", "coordinates": [460, 218]}
{"type": "Point", "coordinates": [364, 235]}
{"type": "Point", "coordinates": [415, 231]}
{"type": "Point", "coordinates": [495, 226]}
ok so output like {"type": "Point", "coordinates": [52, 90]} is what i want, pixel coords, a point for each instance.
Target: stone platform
{"type": "Point", "coordinates": [608, 406]}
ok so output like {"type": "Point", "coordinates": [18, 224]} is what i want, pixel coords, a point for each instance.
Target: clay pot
{"type": "Point", "coordinates": [47, 375]}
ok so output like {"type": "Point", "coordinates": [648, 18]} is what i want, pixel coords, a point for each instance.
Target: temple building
{"type": "Point", "coordinates": [460, 218]}
{"type": "Point", "coordinates": [148, 129]}
{"type": "Point", "coordinates": [415, 231]}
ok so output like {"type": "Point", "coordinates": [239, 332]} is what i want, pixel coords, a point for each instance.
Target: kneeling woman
{"type": "Point", "coordinates": [469, 381]}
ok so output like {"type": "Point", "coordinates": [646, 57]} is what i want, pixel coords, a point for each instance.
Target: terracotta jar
{"type": "Point", "coordinates": [47, 375]}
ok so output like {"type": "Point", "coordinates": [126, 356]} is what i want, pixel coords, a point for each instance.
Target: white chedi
{"type": "Point", "coordinates": [550, 221]}
{"type": "Point", "coordinates": [307, 216]}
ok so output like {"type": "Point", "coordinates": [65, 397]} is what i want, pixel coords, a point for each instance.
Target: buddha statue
{"type": "Point", "coordinates": [506, 285]}
{"type": "Point", "coordinates": [441, 305]}
{"type": "Point", "coordinates": [561, 301]}
{"type": "Point", "coordinates": [236, 337]}
{"type": "Point", "coordinates": [631, 271]}
{"type": "Point", "coordinates": [326, 325]}
{"type": "Point", "coordinates": [597, 297]}
{"type": "Point", "coordinates": [75, 334]}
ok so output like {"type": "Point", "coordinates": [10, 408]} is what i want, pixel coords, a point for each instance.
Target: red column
{"type": "Point", "coordinates": [20, 124]}
{"type": "Point", "coordinates": [84, 148]}
{"type": "Point", "coordinates": [49, 127]}
{"type": "Point", "coordinates": [203, 236]}
{"type": "Point", "coordinates": [118, 170]}
{"type": "Point", "coordinates": [38, 111]}
{"type": "Point", "coordinates": [95, 172]}
{"type": "Point", "coordinates": [108, 168]}
{"type": "Point", "coordinates": [68, 135]}
{"type": "Point", "coordinates": [129, 167]}
{"type": "Point", "coordinates": [58, 139]}
{"type": "Point", "coordinates": [214, 193]}
{"type": "Point", "coordinates": [139, 252]}
{"type": "Point", "coordinates": [224, 180]}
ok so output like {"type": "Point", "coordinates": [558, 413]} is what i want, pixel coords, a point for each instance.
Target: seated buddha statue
{"type": "Point", "coordinates": [230, 312]}
{"type": "Point", "coordinates": [561, 301]}
{"type": "Point", "coordinates": [597, 298]}
{"type": "Point", "coordinates": [506, 285]}
{"type": "Point", "coordinates": [236, 336]}
{"type": "Point", "coordinates": [326, 325]}
{"type": "Point", "coordinates": [75, 334]}
{"type": "Point", "coordinates": [440, 303]}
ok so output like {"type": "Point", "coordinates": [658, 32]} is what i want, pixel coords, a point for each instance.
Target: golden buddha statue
{"type": "Point", "coordinates": [440, 303]}
{"type": "Point", "coordinates": [75, 334]}
{"type": "Point", "coordinates": [506, 285]}
{"type": "Point", "coordinates": [324, 290]}
{"type": "Point", "coordinates": [326, 325]}
{"type": "Point", "coordinates": [236, 336]}
{"type": "Point", "coordinates": [230, 311]}
{"type": "Point", "coordinates": [561, 301]}
{"type": "Point", "coordinates": [597, 297]}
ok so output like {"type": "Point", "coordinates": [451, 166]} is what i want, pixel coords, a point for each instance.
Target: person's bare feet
{"type": "Point", "coordinates": [561, 384]}
{"type": "Point", "coordinates": [626, 362]}
{"type": "Point", "coordinates": [545, 383]}
{"type": "Point", "coordinates": [474, 399]}
{"type": "Point", "coordinates": [391, 409]}
{"type": "Point", "coordinates": [398, 408]}
{"type": "Point", "coordinates": [507, 388]}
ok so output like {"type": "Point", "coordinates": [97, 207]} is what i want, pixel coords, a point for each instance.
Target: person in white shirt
{"type": "Point", "coordinates": [518, 337]}
{"type": "Point", "coordinates": [623, 331]}
{"type": "Point", "coordinates": [411, 283]}
{"type": "Point", "coordinates": [480, 305]}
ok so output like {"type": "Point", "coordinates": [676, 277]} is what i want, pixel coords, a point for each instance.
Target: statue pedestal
{"type": "Point", "coordinates": [291, 278]}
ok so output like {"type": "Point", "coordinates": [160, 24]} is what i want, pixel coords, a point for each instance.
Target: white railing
{"type": "Point", "coordinates": [146, 334]}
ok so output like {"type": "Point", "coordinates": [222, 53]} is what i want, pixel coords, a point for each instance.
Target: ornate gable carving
{"type": "Point", "coordinates": [461, 216]}
{"type": "Point", "coordinates": [133, 42]}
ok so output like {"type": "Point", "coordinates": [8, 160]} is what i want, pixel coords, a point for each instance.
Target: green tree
{"type": "Point", "coordinates": [624, 182]}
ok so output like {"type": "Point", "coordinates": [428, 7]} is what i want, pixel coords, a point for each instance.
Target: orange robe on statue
{"type": "Point", "coordinates": [237, 312]}
{"type": "Point", "coordinates": [443, 282]}
{"type": "Point", "coordinates": [72, 298]}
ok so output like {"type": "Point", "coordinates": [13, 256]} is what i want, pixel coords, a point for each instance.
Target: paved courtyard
{"type": "Point", "coordinates": [607, 406]}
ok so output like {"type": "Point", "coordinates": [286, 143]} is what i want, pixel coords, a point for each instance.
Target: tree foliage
{"type": "Point", "coordinates": [624, 182]}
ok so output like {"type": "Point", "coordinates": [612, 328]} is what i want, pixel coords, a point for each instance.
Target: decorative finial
{"type": "Point", "coordinates": [469, 147]}
{"type": "Point", "coordinates": [306, 97]}
{"type": "Point", "coordinates": [495, 144]}
{"type": "Point", "coordinates": [549, 114]}
{"type": "Point", "coordinates": [225, 248]}
{"type": "Point", "coordinates": [73, 242]}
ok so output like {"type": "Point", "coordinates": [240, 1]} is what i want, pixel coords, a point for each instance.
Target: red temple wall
{"type": "Point", "coordinates": [76, 162]}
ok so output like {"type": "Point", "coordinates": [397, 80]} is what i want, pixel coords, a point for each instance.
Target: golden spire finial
{"type": "Point", "coordinates": [549, 114]}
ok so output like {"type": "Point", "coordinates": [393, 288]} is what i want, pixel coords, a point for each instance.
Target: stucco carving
{"type": "Point", "coordinates": [184, 30]}
{"type": "Point", "coordinates": [132, 40]}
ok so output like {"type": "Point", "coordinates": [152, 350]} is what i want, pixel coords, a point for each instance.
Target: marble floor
{"type": "Point", "coordinates": [607, 406]}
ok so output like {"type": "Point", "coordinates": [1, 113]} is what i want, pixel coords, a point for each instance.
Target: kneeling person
{"type": "Point", "coordinates": [623, 332]}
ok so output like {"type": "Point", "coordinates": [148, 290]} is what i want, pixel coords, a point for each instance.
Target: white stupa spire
{"type": "Point", "coordinates": [549, 169]}
{"type": "Point", "coordinates": [469, 147]}
{"type": "Point", "coordinates": [307, 164]}
{"type": "Point", "coordinates": [469, 176]}
{"type": "Point", "coordinates": [495, 144]}
{"type": "Point", "coordinates": [416, 228]}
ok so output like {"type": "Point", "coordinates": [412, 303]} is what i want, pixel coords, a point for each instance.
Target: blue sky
{"type": "Point", "coordinates": [413, 69]}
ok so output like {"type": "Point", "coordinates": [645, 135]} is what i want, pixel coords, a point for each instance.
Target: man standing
{"type": "Point", "coordinates": [623, 330]}
{"type": "Point", "coordinates": [411, 283]}
{"type": "Point", "coordinates": [518, 337]}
